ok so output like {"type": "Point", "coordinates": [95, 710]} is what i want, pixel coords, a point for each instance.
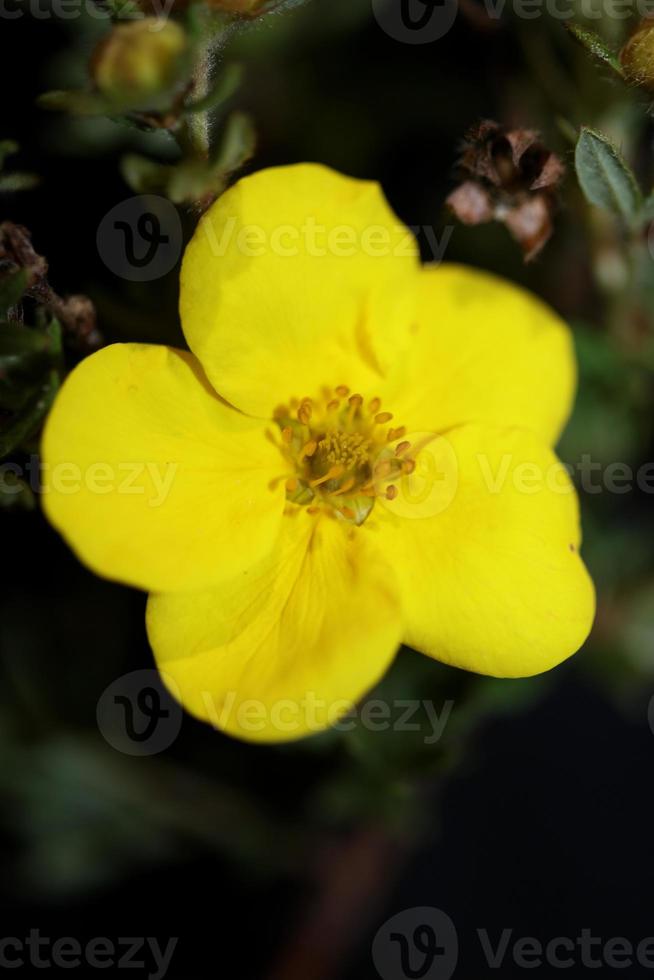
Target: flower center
{"type": "Point", "coordinates": [344, 453]}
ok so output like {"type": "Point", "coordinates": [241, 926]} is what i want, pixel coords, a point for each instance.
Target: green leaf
{"type": "Point", "coordinates": [18, 343]}
{"type": "Point", "coordinates": [15, 494]}
{"type": "Point", "coordinates": [144, 176]}
{"type": "Point", "coordinates": [55, 336]}
{"type": "Point", "coordinates": [194, 179]}
{"type": "Point", "coordinates": [7, 149]}
{"type": "Point", "coordinates": [79, 103]}
{"type": "Point", "coordinates": [237, 146]}
{"type": "Point", "coordinates": [12, 288]}
{"type": "Point", "coordinates": [26, 357]}
{"type": "Point", "coordinates": [596, 46]}
{"type": "Point", "coordinates": [27, 421]}
{"type": "Point", "coordinates": [18, 182]}
{"type": "Point", "coordinates": [123, 9]}
{"type": "Point", "coordinates": [605, 178]}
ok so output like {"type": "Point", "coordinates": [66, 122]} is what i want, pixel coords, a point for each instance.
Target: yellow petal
{"type": "Point", "coordinates": [486, 351]}
{"type": "Point", "coordinates": [287, 648]}
{"type": "Point", "coordinates": [154, 480]}
{"type": "Point", "coordinates": [296, 278]}
{"type": "Point", "coordinates": [488, 565]}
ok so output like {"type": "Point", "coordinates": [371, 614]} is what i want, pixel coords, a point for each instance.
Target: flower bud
{"type": "Point", "coordinates": [637, 56]}
{"type": "Point", "coordinates": [138, 60]}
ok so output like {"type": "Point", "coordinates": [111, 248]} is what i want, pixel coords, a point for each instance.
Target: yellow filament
{"type": "Point", "coordinates": [332, 474]}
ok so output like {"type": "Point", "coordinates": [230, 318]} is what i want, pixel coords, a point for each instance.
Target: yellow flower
{"type": "Point", "coordinates": [354, 455]}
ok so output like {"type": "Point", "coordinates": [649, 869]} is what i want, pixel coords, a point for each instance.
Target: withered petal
{"type": "Point", "coordinates": [531, 224]}
{"type": "Point", "coordinates": [471, 203]}
{"type": "Point", "coordinates": [520, 140]}
{"type": "Point", "coordinates": [551, 174]}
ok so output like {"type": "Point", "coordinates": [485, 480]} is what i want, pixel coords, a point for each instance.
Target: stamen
{"type": "Point", "coordinates": [332, 474]}
{"type": "Point", "coordinates": [276, 480]}
{"type": "Point", "coordinates": [349, 483]}
{"type": "Point", "coordinates": [355, 402]}
{"type": "Point", "coordinates": [336, 445]}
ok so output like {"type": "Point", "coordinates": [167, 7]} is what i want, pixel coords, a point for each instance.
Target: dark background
{"type": "Point", "coordinates": [534, 812]}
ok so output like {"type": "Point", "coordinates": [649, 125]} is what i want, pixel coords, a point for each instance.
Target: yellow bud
{"type": "Point", "coordinates": [637, 56]}
{"type": "Point", "coordinates": [138, 60]}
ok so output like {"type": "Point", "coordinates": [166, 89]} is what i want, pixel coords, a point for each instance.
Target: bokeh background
{"type": "Point", "coordinates": [534, 810]}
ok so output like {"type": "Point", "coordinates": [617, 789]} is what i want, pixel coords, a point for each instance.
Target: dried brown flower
{"type": "Point", "coordinates": [508, 175]}
{"type": "Point", "coordinates": [75, 313]}
{"type": "Point", "coordinates": [17, 252]}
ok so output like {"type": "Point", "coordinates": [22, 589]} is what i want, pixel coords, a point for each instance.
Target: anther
{"type": "Point", "coordinates": [391, 492]}
{"type": "Point", "coordinates": [394, 434]}
{"type": "Point", "coordinates": [383, 468]}
{"type": "Point", "coordinates": [374, 406]}
{"type": "Point", "coordinates": [333, 406]}
{"type": "Point", "coordinates": [291, 484]}
{"type": "Point", "coordinates": [383, 417]}
{"type": "Point", "coordinates": [304, 412]}
{"type": "Point", "coordinates": [408, 466]}
{"type": "Point", "coordinates": [287, 433]}
{"type": "Point", "coordinates": [355, 402]}
{"type": "Point", "coordinates": [348, 512]}
{"type": "Point", "coordinates": [401, 448]}
{"type": "Point", "coordinates": [342, 391]}
{"type": "Point", "coordinates": [308, 449]}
